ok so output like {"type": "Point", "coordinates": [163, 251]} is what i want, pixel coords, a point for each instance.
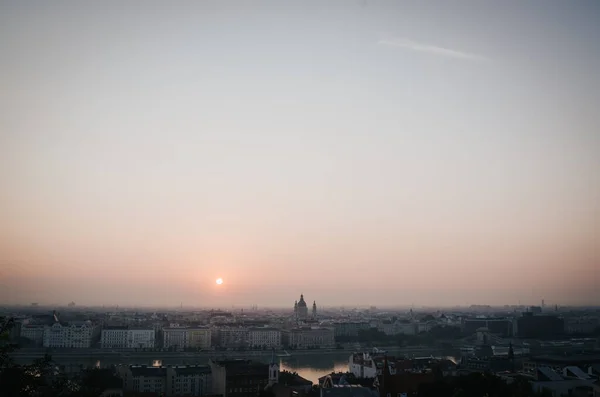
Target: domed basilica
{"type": "Point", "coordinates": [301, 310]}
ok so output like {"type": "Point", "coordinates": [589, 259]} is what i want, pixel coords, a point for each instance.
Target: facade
{"type": "Point", "coordinates": [142, 379]}
{"type": "Point", "coordinates": [542, 326]}
{"type": "Point", "coordinates": [233, 337]}
{"type": "Point", "coordinates": [199, 338]}
{"type": "Point", "coordinates": [34, 333]}
{"type": "Point", "coordinates": [264, 338]}
{"type": "Point", "coordinates": [309, 337]}
{"type": "Point", "coordinates": [183, 337]}
{"type": "Point", "coordinates": [300, 309]}
{"type": "Point", "coordinates": [72, 335]}
{"type": "Point", "coordinates": [193, 380]}
{"type": "Point", "coordinates": [242, 378]}
{"type": "Point", "coordinates": [140, 338]}
{"type": "Point", "coordinates": [350, 329]}
{"type": "Point", "coordinates": [113, 338]}
{"type": "Point", "coordinates": [125, 338]}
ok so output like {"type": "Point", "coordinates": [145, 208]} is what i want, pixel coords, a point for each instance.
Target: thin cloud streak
{"type": "Point", "coordinates": [431, 49]}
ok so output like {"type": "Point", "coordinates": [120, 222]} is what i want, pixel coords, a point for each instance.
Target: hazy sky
{"type": "Point", "coordinates": [359, 152]}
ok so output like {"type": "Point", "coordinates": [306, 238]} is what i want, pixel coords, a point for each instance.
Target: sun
{"type": "Point", "coordinates": [219, 281]}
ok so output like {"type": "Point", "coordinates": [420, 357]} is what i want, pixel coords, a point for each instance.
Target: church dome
{"type": "Point", "coordinates": [301, 302]}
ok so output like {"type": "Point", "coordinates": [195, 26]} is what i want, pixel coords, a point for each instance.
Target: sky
{"type": "Point", "coordinates": [358, 152]}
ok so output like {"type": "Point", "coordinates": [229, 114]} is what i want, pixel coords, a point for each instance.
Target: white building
{"type": "Point", "coordinates": [127, 338]}
{"type": "Point", "coordinates": [302, 338]}
{"type": "Point", "coordinates": [140, 338]}
{"type": "Point", "coordinates": [182, 337]}
{"type": "Point", "coordinates": [72, 335]}
{"type": "Point", "coordinates": [264, 338]}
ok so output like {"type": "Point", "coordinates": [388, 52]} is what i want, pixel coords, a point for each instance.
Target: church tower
{"type": "Point", "coordinates": [273, 370]}
{"type": "Point", "coordinates": [314, 310]}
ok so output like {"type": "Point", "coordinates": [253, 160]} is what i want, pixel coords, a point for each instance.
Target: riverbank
{"type": "Point", "coordinates": [105, 353]}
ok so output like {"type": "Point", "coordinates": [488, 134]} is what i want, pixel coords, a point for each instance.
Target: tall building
{"type": "Point", "coordinates": [300, 309]}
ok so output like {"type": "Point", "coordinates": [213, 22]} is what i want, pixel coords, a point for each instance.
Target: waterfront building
{"type": "Point", "coordinates": [114, 337]}
{"type": "Point", "coordinates": [309, 337]}
{"type": "Point", "coordinates": [350, 328]}
{"type": "Point", "coordinates": [233, 336]}
{"type": "Point", "coordinates": [77, 334]}
{"type": "Point", "coordinates": [186, 337]}
{"type": "Point", "coordinates": [34, 333]}
{"type": "Point", "coordinates": [264, 338]}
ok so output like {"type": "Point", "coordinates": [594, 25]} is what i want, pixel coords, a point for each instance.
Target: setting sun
{"type": "Point", "coordinates": [219, 281]}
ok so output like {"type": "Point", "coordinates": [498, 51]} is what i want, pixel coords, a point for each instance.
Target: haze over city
{"type": "Point", "coordinates": [358, 152]}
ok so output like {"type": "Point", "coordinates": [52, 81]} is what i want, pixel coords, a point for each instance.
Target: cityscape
{"type": "Point", "coordinates": [245, 351]}
{"type": "Point", "coordinates": [314, 198]}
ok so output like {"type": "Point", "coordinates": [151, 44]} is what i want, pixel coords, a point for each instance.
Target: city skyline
{"type": "Point", "coordinates": [377, 153]}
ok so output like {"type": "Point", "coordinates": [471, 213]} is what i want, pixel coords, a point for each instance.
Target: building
{"type": "Point", "coordinates": [123, 337]}
{"type": "Point", "coordinates": [195, 380]}
{"type": "Point", "coordinates": [300, 309]}
{"type": "Point", "coordinates": [329, 388]}
{"type": "Point", "coordinates": [403, 383]}
{"type": "Point", "coordinates": [267, 338]}
{"type": "Point", "coordinates": [34, 333]}
{"type": "Point", "coordinates": [365, 365]}
{"type": "Point", "coordinates": [143, 379]}
{"type": "Point", "coordinates": [234, 337]}
{"type": "Point", "coordinates": [350, 328]}
{"type": "Point", "coordinates": [542, 326]}
{"type": "Point", "coordinates": [192, 380]}
{"type": "Point", "coordinates": [199, 338]}
{"type": "Point", "coordinates": [186, 337]}
{"type": "Point", "coordinates": [496, 325]}
{"type": "Point", "coordinates": [242, 378]}
{"type": "Point", "coordinates": [81, 334]}
{"type": "Point", "coordinates": [291, 385]}
{"type": "Point", "coordinates": [113, 337]}
{"type": "Point", "coordinates": [309, 337]}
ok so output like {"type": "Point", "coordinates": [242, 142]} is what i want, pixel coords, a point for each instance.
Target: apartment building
{"type": "Point", "coordinates": [264, 338]}
{"type": "Point", "coordinates": [192, 380]}
{"type": "Point", "coordinates": [309, 337]}
{"type": "Point", "coordinates": [186, 337]}
{"type": "Point", "coordinates": [127, 338]}
{"type": "Point", "coordinates": [78, 334]}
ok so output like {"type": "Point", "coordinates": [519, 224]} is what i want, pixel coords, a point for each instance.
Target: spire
{"type": "Point", "coordinates": [273, 356]}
